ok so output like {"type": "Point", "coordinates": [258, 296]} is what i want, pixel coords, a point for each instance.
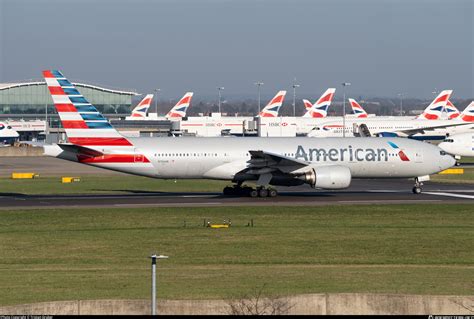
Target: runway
{"type": "Point", "coordinates": [360, 192]}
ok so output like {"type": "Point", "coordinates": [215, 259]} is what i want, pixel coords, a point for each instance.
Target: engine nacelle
{"type": "Point", "coordinates": [328, 177]}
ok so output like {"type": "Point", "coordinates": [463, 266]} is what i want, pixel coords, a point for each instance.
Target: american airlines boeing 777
{"type": "Point", "coordinates": [328, 163]}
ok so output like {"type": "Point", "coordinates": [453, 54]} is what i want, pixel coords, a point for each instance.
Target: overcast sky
{"type": "Point", "coordinates": [382, 47]}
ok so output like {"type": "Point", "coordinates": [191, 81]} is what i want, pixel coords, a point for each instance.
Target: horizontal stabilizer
{"type": "Point", "coordinates": [80, 150]}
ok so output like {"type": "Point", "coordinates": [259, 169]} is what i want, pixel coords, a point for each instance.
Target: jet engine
{"type": "Point", "coordinates": [326, 177]}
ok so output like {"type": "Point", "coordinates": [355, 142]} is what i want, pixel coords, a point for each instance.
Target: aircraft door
{"type": "Point", "coordinates": [418, 156]}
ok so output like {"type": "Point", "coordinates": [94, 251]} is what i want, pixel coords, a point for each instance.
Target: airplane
{"type": "Point", "coordinates": [459, 144]}
{"type": "Point", "coordinates": [430, 113]}
{"type": "Point", "coordinates": [320, 108]}
{"type": "Point", "coordinates": [272, 108]}
{"type": "Point", "coordinates": [398, 126]}
{"type": "Point", "coordinates": [7, 134]}
{"type": "Point", "coordinates": [321, 163]}
{"type": "Point", "coordinates": [140, 111]}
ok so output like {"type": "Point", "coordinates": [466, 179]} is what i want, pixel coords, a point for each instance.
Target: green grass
{"type": "Point", "coordinates": [106, 184]}
{"type": "Point", "coordinates": [466, 178]}
{"type": "Point", "coordinates": [48, 255]}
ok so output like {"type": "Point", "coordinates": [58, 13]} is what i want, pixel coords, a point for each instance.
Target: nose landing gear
{"type": "Point", "coordinates": [418, 188]}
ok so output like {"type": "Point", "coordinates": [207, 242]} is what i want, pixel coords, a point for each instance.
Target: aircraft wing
{"type": "Point", "coordinates": [422, 130]}
{"type": "Point", "coordinates": [262, 162]}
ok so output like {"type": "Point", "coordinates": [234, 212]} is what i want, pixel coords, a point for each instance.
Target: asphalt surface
{"type": "Point", "coordinates": [360, 192]}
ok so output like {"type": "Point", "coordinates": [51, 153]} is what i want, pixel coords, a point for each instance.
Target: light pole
{"type": "Point", "coordinates": [401, 103]}
{"type": "Point", "coordinates": [154, 257]}
{"type": "Point", "coordinates": [294, 97]}
{"type": "Point", "coordinates": [156, 100]}
{"type": "Point", "coordinates": [220, 89]}
{"type": "Point", "coordinates": [258, 84]}
{"type": "Point", "coordinates": [344, 108]}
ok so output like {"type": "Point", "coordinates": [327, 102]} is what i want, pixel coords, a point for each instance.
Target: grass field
{"type": "Point", "coordinates": [107, 184]}
{"type": "Point", "coordinates": [466, 178]}
{"type": "Point", "coordinates": [48, 255]}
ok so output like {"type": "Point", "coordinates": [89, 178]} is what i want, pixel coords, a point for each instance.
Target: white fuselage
{"type": "Point", "coordinates": [380, 126]}
{"type": "Point", "coordinates": [460, 144]}
{"type": "Point", "coordinates": [223, 157]}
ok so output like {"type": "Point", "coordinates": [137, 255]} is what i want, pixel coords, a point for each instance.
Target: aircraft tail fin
{"type": "Point", "coordinates": [435, 109]}
{"type": "Point", "coordinates": [468, 114]}
{"type": "Point", "coordinates": [321, 106]}
{"type": "Point", "coordinates": [307, 104]}
{"type": "Point", "coordinates": [357, 109]}
{"type": "Point", "coordinates": [179, 110]}
{"type": "Point", "coordinates": [142, 108]}
{"type": "Point", "coordinates": [83, 123]}
{"type": "Point", "coordinates": [272, 108]}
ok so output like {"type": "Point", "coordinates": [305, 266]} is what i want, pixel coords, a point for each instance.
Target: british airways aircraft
{"type": "Point", "coordinates": [427, 127]}
{"type": "Point", "coordinates": [459, 144]}
{"type": "Point", "coordinates": [328, 163]}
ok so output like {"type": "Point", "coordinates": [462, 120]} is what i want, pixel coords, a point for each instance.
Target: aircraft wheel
{"type": "Point", "coordinates": [253, 193]}
{"type": "Point", "coordinates": [228, 191]}
{"type": "Point", "coordinates": [416, 190]}
{"type": "Point", "coordinates": [272, 193]}
{"type": "Point", "coordinates": [263, 192]}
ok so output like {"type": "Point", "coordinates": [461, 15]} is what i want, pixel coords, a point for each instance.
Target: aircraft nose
{"type": "Point", "coordinates": [449, 161]}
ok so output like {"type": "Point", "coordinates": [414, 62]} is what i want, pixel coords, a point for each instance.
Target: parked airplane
{"type": "Point", "coordinates": [140, 111]}
{"type": "Point", "coordinates": [397, 126]}
{"type": "Point", "coordinates": [322, 163]}
{"type": "Point", "coordinates": [7, 134]}
{"type": "Point", "coordinates": [459, 144]}
{"type": "Point", "coordinates": [272, 108]}
{"type": "Point", "coordinates": [320, 107]}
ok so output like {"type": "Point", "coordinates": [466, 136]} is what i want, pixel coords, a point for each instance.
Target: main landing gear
{"type": "Point", "coordinates": [238, 190]}
{"type": "Point", "coordinates": [418, 188]}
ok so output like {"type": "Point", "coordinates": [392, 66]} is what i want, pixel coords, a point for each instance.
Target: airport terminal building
{"type": "Point", "coordinates": [32, 99]}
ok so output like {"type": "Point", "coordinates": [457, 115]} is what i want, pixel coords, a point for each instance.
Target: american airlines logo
{"type": "Point", "coordinates": [347, 153]}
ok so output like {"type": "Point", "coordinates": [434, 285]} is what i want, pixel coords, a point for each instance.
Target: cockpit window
{"type": "Point", "coordinates": [449, 140]}
{"type": "Point", "coordinates": [442, 153]}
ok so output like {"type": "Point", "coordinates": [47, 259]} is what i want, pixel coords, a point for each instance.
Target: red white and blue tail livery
{"type": "Point", "coordinates": [468, 114]}
{"type": "Point", "coordinates": [92, 139]}
{"type": "Point", "coordinates": [434, 111]}
{"type": "Point", "coordinates": [141, 109]}
{"type": "Point", "coordinates": [357, 109]}
{"type": "Point", "coordinates": [451, 111]}
{"type": "Point", "coordinates": [320, 108]}
{"type": "Point", "coordinates": [272, 108]}
{"type": "Point", "coordinates": [179, 110]}
{"type": "Point", "coordinates": [307, 104]}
